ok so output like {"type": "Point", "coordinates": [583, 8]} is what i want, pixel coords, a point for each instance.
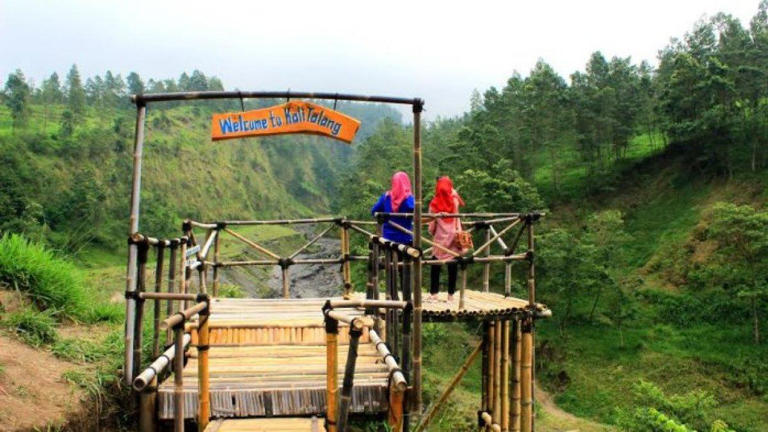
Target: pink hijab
{"type": "Point", "coordinates": [401, 189]}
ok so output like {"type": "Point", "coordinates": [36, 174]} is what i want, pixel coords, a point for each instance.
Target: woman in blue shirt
{"type": "Point", "coordinates": [398, 199]}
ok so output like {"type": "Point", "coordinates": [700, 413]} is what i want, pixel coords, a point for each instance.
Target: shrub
{"type": "Point", "coordinates": [33, 327]}
{"type": "Point", "coordinates": [52, 283]}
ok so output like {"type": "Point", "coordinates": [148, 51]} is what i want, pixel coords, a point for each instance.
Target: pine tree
{"type": "Point", "coordinates": [16, 97]}
{"type": "Point", "coordinates": [75, 94]}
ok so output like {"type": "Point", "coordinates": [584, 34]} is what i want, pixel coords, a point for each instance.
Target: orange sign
{"type": "Point", "coordinates": [290, 117]}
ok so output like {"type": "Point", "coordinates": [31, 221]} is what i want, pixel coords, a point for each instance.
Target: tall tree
{"type": "Point", "coordinates": [75, 94]}
{"type": "Point", "coordinates": [16, 97]}
{"type": "Point", "coordinates": [135, 84]}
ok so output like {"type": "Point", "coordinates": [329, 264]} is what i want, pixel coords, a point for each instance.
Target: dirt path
{"type": "Point", "coordinates": [554, 419]}
{"type": "Point", "coordinates": [32, 392]}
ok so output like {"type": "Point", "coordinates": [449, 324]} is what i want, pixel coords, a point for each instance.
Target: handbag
{"type": "Point", "coordinates": [463, 239]}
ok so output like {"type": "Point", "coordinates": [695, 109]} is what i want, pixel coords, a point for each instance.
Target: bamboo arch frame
{"type": "Point", "coordinates": [141, 100]}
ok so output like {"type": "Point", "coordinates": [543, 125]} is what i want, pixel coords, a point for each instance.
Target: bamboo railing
{"type": "Point", "coordinates": [183, 267]}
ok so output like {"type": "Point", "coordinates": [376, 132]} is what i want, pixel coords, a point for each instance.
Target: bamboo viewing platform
{"type": "Point", "coordinates": [289, 364]}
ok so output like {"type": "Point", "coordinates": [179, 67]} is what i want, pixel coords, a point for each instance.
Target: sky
{"type": "Point", "coordinates": [439, 51]}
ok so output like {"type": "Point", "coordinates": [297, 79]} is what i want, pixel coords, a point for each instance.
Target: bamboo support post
{"type": "Point", "coordinates": [216, 259]}
{"type": "Point", "coordinates": [183, 271]}
{"type": "Point", "coordinates": [504, 413]}
{"type": "Point", "coordinates": [349, 375]}
{"type": "Point", "coordinates": [497, 371]}
{"type": "Point", "coordinates": [141, 287]}
{"type": "Point", "coordinates": [130, 303]}
{"type": "Point", "coordinates": [203, 374]}
{"type": "Point", "coordinates": [491, 364]}
{"type": "Point", "coordinates": [485, 375]}
{"type": "Point", "coordinates": [433, 410]}
{"type": "Point", "coordinates": [487, 265]}
{"type": "Point", "coordinates": [178, 380]}
{"type": "Point", "coordinates": [285, 281]}
{"type": "Point", "coordinates": [532, 306]}
{"type": "Point", "coordinates": [418, 106]}
{"type": "Point", "coordinates": [345, 269]}
{"type": "Point", "coordinates": [407, 342]}
{"type": "Point", "coordinates": [463, 287]}
{"type": "Point", "coordinates": [171, 286]}
{"type": "Point", "coordinates": [526, 378]}
{"type": "Point", "coordinates": [156, 309]}
{"type": "Point", "coordinates": [507, 279]}
{"type": "Point", "coordinates": [516, 356]}
{"type": "Point", "coordinates": [148, 408]}
{"type": "Point", "coordinates": [332, 367]}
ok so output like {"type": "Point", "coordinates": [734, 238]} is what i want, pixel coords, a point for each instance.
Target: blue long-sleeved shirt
{"type": "Point", "coordinates": [384, 205]}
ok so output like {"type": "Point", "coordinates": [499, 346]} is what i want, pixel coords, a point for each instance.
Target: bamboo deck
{"type": "Point", "coordinates": [268, 357]}
{"type": "Point", "coordinates": [267, 425]}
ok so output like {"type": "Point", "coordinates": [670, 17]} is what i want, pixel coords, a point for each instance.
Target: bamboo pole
{"type": "Point", "coordinates": [532, 307]}
{"type": "Point", "coordinates": [507, 279]}
{"type": "Point", "coordinates": [183, 271]}
{"type": "Point", "coordinates": [216, 259]}
{"type": "Point", "coordinates": [487, 265]}
{"type": "Point", "coordinates": [141, 285]}
{"type": "Point", "coordinates": [178, 380]}
{"type": "Point", "coordinates": [332, 379]}
{"type": "Point", "coordinates": [497, 236]}
{"type": "Point", "coordinates": [497, 372]}
{"type": "Point", "coordinates": [433, 410]}
{"type": "Point", "coordinates": [505, 376]}
{"type": "Point", "coordinates": [156, 309]}
{"type": "Point", "coordinates": [349, 375]}
{"type": "Point", "coordinates": [252, 244]}
{"type": "Point", "coordinates": [484, 375]}
{"type": "Point", "coordinates": [203, 375]}
{"type": "Point", "coordinates": [148, 408]}
{"type": "Point", "coordinates": [425, 240]}
{"type": "Point", "coordinates": [158, 366]}
{"type": "Point", "coordinates": [491, 364]}
{"type": "Point", "coordinates": [171, 286]}
{"type": "Point", "coordinates": [526, 378]}
{"type": "Point", "coordinates": [345, 270]}
{"type": "Point", "coordinates": [407, 342]}
{"type": "Point", "coordinates": [516, 356]}
{"type": "Point", "coordinates": [463, 289]}
{"type": "Point", "coordinates": [489, 422]}
{"type": "Point", "coordinates": [130, 303]}
{"type": "Point", "coordinates": [285, 280]}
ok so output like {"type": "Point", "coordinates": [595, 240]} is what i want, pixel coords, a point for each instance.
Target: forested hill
{"type": "Point", "coordinates": [654, 254]}
{"type": "Point", "coordinates": [66, 151]}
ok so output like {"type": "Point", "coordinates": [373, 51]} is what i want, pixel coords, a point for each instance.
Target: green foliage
{"type": "Point", "coordinates": [231, 291]}
{"type": "Point", "coordinates": [16, 97]}
{"type": "Point", "coordinates": [51, 282]}
{"type": "Point", "coordinates": [32, 326]}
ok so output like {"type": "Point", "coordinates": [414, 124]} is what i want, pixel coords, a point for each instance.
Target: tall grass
{"type": "Point", "coordinates": [50, 282]}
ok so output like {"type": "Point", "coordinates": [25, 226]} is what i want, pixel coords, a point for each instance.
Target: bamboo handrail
{"type": "Point", "coordinates": [279, 221]}
{"type": "Point", "coordinates": [449, 389]}
{"type": "Point", "coordinates": [166, 296]}
{"type": "Point", "coordinates": [252, 244]}
{"type": "Point", "coordinates": [157, 366]}
{"type": "Point", "coordinates": [451, 215]}
{"type": "Point", "coordinates": [368, 304]}
{"type": "Point", "coordinates": [357, 322]}
{"type": "Point", "coordinates": [425, 240]}
{"type": "Point", "coordinates": [183, 316]}
{"type": "Point", "coordinates": [398, 378]}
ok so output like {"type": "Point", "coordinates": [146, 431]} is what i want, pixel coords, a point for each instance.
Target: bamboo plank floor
{"type": "Point", "coordinates": [268, 358]}
{"type": "Point", "coordinates": [267, 425]}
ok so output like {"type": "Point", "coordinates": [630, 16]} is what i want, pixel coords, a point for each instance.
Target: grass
{"type": "Point", "coordinates": [32, 326]}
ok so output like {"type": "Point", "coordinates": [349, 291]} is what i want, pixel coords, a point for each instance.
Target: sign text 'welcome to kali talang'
{"type": "Point", "coordinates": [290, 117]}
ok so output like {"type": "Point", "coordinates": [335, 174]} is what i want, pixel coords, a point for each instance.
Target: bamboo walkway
{"type": "Point", "coordinates": [268, 357]}
{"type": "Point", "coordinates": [267, 425]}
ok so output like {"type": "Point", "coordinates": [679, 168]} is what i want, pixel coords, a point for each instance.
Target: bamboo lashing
{"type": "Point", "coordinates": [433, 410]}
{"type": "Point", "coordinates": [158, 366]}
